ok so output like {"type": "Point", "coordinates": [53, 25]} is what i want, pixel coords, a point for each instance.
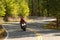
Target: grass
{"type": "Point", "coordinates": [3, 32]}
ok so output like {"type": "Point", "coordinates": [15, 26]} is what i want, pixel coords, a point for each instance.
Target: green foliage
{"type": "Point", "coordinates": [35, 7]}
{"type": "Point", "coordinates": [2, 9]}
{"type": "Point", "coordinates": [45, 7]}
{"type": "Point", "coordinates": [23, 9]}
{"type": "Point", "coordinates": [11, 8]}
{"type": "Point", "coordinates": [16, 7]}
{"type": "Point", "coordinates": [54, 8]}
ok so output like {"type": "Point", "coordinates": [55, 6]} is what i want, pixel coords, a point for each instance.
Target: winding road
{"type": "Point", "coordinates": [34, 30]}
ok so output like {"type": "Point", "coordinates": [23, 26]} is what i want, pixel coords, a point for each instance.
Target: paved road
{"type": "Point", "coordinates": [34, 31]}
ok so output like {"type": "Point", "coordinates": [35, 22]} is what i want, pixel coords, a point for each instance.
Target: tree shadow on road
{"type": "Point", "coordinates": [39, 26]}
{"type": "Point", "coordinates": [20, 34]}
{"type": "Point", "coordinates": [16, 32]}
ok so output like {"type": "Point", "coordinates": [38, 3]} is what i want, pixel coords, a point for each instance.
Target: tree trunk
{"type": "Point", "coordinates": [57, 24]}
{"type": "Point", "coordinates": [47, 8]}
{"type": "Point", "coordinates": [5, 18]}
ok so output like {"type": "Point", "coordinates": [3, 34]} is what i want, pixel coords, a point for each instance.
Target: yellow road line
{"type": "Point", "coordinates": [39, 37]}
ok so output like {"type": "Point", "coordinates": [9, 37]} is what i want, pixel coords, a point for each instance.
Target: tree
{"type": "Point", "coordinates": [23, 8]}
{"type": "Point", "coordinates": [55, 9]}
{"type": "Point", "coordinates": [11, 9]}
{"type": "Point", "coordinates": [2, 9]}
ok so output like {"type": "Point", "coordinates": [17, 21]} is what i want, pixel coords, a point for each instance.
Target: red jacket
{"type": "Point", "coordinates": [22, 21]}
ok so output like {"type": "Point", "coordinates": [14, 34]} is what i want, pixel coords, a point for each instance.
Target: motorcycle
{"type": "Point", "coordinates": [23, 26]}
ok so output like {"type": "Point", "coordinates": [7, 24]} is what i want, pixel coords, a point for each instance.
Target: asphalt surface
{"type": "Point", "coordinates": [34, 31]}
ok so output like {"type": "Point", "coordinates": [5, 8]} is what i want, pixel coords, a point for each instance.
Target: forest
{"type": "Point", "coordinates": [17, 8]}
